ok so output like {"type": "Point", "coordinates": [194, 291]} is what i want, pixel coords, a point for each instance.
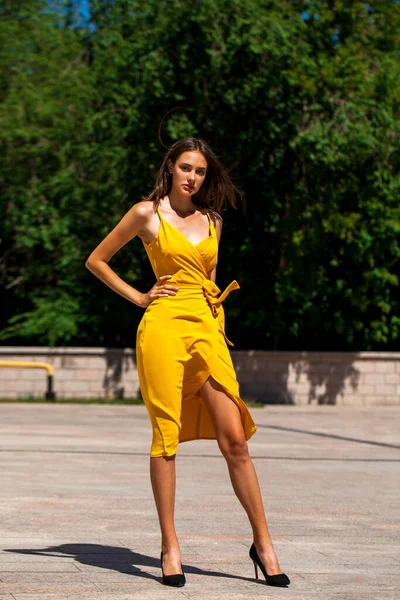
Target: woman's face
{"type": "Point", "coordinates": [188, 172]}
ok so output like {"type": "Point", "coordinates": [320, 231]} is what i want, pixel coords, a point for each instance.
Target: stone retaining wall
{"type": "Point", "coordinates": [346, 378]}
{"type": "Point", "coordinates": [78, 372]}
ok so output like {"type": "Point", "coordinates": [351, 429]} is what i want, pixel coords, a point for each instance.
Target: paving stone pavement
{"type": "Point", "coordinates": [78, 519]}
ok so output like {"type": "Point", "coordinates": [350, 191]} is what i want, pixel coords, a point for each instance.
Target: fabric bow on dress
{"type": "Point", "coordinates": [211, 291]}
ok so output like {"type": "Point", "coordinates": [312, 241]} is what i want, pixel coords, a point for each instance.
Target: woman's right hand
{"type": "Point", "coordinates": [159, 290]}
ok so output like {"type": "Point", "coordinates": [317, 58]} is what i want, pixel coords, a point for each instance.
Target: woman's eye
{"type": "Point", "coordinates": [188, 169]}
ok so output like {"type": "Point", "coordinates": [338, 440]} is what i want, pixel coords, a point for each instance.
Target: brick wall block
{"type": "Point", "coordinates": [90, 374]}
{"type": "Point", "coordinates": [302, 389]}
{"type": "Point", "coordinates": [279, 366]}
{"type": "Point", "coordinates": [73, 386]}
{"type": "Point", "coordinates": [95, 386]}
{"type": "Point", "coordinates": [301, 399]}
{"type": "Point", "coordinates": [352, 399]}
{"type": "Point", "coordinates": [246, 376]}
{"type": "Point", "coordinates": [294, 378]}
{"type": "Point", "coordinates": [278, 378]}
{"type": "Point", "coordinates": [62, 375]}
{"type": "Point", "coordinates": [373, 378]}
{"type": "Point", "coordinates": [362, 366]}
{"type": "Point", "coordinates": [7, 386]}
{"type": "Point", "coordinates": [71, 362]}
{"type": "Point", "coordinates": [270, 376]}
{"type": "Point", "coordinates": [96, 362]}
{"type": "Point", "coordinates": [385, 389]}
{"type": "Point", "coordinates": [385, 367]}
{"type": "Point", "coordinates": [365, 389]}
{"type": "Point", "coordinates": [392, 378]}
{"type": "Point", "coordinates": [339, 400]}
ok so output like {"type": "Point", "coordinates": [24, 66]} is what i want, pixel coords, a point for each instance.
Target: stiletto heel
{"type": "Point", "coordinates": [177, 580]}
{"type": "Point", "coordinates": [255, 569]}
{"type": "Point", "coordinates": [281, 579]}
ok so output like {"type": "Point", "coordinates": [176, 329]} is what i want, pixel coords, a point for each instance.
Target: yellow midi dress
{"type": "Point", "coordinates": [181, 341]}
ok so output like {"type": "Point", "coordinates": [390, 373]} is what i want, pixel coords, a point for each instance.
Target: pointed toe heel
{"type": "Point", "coordinates": [176, 580]}
{"type": "Point", "coordinates": [281, 579]}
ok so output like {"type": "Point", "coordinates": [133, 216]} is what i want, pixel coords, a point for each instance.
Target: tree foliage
{"type": "Point", "coordinates": [301, 97]}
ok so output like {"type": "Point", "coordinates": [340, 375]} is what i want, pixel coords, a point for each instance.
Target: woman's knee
{"type": "Point", "coordinates": [234, 448]}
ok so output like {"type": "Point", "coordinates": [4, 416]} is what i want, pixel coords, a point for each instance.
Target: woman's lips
{"type": "Point", "coordinates": [190, 187]}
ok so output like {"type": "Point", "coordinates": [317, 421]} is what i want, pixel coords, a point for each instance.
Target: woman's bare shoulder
{"type": "Point", "coordinates": [144, 208]}
{"type": "Point", "coordinates": [144, 212]}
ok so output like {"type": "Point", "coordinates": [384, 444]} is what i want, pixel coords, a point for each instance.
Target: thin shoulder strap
{"type": "Point", "coordinates": [210, 225]}
{"type": "Point", "coordinates": [208, 210]}
{"type": "Point", "coordinates": [159, 213]}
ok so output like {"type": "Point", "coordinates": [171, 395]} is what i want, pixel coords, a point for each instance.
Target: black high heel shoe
{"type": "Point", "coordinates": [281, 579]}
{"type": "Point", "coordinates": [177, 580]}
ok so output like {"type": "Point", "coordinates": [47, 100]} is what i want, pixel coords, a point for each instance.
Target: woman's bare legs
{"type": "Point", "coordinates": [232, 443]}
{"type": "Point", "coordinates": [163, 482]}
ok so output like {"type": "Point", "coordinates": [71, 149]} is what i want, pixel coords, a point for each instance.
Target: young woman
{"type": "Point", "coordinates": [187, 378]}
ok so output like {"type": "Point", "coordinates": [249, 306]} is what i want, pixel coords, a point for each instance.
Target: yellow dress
{"type": "Point", "coordinates": [181, 341]}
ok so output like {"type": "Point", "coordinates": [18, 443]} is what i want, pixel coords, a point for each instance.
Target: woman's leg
{"type": "Point", "coordinates": [225, 415]}
{"type": "Point", "coordinates": [163, 481]}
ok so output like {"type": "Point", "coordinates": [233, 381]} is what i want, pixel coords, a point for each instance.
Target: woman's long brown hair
{"type": "Point", "coordinates": [217, 187]}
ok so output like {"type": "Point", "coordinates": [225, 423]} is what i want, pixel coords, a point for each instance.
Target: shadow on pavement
{"type": "Point", "coordinates": [122, 560]}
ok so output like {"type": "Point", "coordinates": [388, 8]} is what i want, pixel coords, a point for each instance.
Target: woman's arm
{"type": "Point", "coordinates": [131, 224]}
{"type": "Point", "coordinates": [217, 220]}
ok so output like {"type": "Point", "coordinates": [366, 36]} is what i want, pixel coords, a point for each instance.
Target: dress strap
{"type": "Point", "coordinates": [211, 224]}
{"type": "Point", "coordinates": [159, 215]}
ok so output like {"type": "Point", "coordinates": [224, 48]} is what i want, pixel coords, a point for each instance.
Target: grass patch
{"type": "Point", "coordinates": [253, 403]}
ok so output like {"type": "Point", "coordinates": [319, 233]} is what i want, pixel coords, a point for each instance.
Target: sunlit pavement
{"type": "Point", "coordinates": [78, 519]}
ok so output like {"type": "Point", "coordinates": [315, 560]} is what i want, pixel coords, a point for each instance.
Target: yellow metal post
{"type": "Point", "coordinates": [50, 395]}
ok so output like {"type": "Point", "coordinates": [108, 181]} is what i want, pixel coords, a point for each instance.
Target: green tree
{"type": "Point", "coordinates": [302, 97]}
{"type": "Point", "coordinates": [45, 91]}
